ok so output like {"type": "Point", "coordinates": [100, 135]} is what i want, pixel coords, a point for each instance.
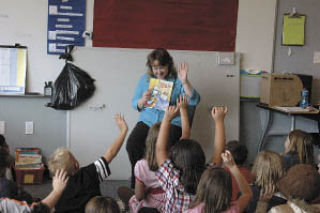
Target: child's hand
{"type": "Point", "coordinates": [59, 181]}
{"type": "Point", "coordinates": [228, 159]}
{"type": "Point", "coordinates": [121, 123]}
{"type": "Point", "coordinates": [182, 102]}
{"type": "Point", "coordinates": [218, 113]}
{"type": "Point", "coordinates": [171, 112]}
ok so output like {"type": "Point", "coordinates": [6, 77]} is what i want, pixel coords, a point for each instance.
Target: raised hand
{"type": "Point", "coordinates": [219, 113]}
{"type": "Point", "coordinates": [59, 181]}
{"type": "Point", "coordinates": [228, 159]}
{"type": "Point", "coordinates": [182, 102]}
{"type": "Point", "coordinates": [183, 72]}
{"type": "Point", "coordinates": [121, 123]}
{"type": "Point", "coordinates": [171, 112]}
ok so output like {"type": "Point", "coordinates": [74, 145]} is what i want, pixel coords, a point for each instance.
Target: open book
{"type": "Point", "coordinates": [161, 93]}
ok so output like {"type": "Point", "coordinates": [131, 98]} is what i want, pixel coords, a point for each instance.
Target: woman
{"type": "Point", "coordinates": [160, 65]}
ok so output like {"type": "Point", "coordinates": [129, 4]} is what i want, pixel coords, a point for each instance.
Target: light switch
{"type": "Point", "coordinates": [2, 128]}
{"type": "Point", "coordinates": [29, 127]}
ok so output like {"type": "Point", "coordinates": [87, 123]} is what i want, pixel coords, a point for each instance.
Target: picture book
{"type": "Point", "coordinates": [161, 93]}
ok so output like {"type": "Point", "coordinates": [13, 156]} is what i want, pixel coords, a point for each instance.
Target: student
{"type": "Point", "coordinates": [267, 169]}
{"type": "Point", "coordinates": [298, 149]}
{"type": "Point", "coordinates": [102, 204]}
{"type": "Point", "coordinates": [59, 183]}
{"type": "Point", "coordinates": [9, 170]}
{"type": "Point", "coordinates": [9, 188]}
{"type": "Point", "coordinates": [180, 173]}
{"type": "Point", "coordinates": [160, 65]}
{"type": "Point", "coordinates": [239, 152]}
{"type": "Point", "coordinates": [215, 190]}
{"type": "Point", "coordinates": [84, 182]}
{"type": "Point", "coordinates": [300, 185]}
{"type": "Point", "coordinates": [148, 192]}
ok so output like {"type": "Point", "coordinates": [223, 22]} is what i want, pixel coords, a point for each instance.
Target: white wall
{"type": "Point", "coordinates": [255, 34]}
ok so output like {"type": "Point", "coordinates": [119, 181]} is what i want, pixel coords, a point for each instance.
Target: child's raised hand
{"type": "Point", "coordinates": [121, 123]}
{"type": "Point", "coordinates": [182, 102]}
{"type": "Point", "coordinates": [171, 112]}
{"type": "Point", "coordinates": [219, 113]}
{"type": "Point", "coordinates": [228, 159]}
{"type": "Point", "coordinates": [59, 181]}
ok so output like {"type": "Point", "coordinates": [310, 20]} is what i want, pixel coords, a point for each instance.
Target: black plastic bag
{"type": "Point", "coordinates": [72, 87]}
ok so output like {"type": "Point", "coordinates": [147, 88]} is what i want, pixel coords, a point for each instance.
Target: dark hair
{"type": "Point", "coordinates": [188, 157]}
{"type": "Point", "coordinates": [40, 208]}
{"type": "Point", "coordinates": [214, 190]}
{"type": "Point", "coordinates": [5, 161]}
{"type": "Point", "coordinates": [301, 182]}
{"type": "Point", "coordinates": [150, 153]}
{"type": "Point", "coordinates": [238, 151]}
{"type": "Point", "coordinates": [3, 142]}
{"type": "Point", "coordinates": [164, 58]}
{"type": "Point", "coordinates": [104, 204]}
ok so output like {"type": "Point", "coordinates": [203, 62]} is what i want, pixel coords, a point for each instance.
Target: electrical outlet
{"type": "Point", "coordinates": [2, 128]}
{"type": "Point", "coordinates": [316, 57]}
{"type": "Point", "coordinates": [29, 127]}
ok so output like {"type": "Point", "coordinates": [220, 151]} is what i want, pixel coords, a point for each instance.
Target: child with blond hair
{"type": "Point", "coordinates": [84, 182]}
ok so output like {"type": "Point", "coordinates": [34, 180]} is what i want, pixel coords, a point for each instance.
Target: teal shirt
{"type": "Point", "coordinates": [150, 116]}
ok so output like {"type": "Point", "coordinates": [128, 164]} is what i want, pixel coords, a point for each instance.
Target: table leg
{"type": "Point", "coordinates": [293, 122]}
{"type": "Point", "coordinates": [265, 129]}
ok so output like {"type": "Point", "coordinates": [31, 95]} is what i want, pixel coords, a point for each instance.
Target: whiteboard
{"type": "Point", "coordinates": [13, 67]}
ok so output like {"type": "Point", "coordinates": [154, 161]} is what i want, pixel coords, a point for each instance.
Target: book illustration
{"type": "Point", "coordinates": [161, 94]}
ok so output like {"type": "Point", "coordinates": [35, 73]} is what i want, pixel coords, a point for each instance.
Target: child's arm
{"type": "Point", "coordinates": [246, 192]}
{"type": "Point", "coordinates": [183, 105]}
{"type": "Point", "coordinates": [163, 137]}
{"type": "Point", "coordinates": [116, 145]}
{"type": "Point", "coordinates": [140, 191]}
{"type": "Point", "coordinates": [59, 183]}
{"type": "Point", "coordinates": [218, 114]}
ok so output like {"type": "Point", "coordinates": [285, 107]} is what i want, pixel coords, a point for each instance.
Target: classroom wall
{"type": "Point", "coordinates": [49, 124]}
{"type": "Point", "coordinates": [28, 28]}
{"type": "Point", "coordinates": [301, 61]}
{"type": "Point", "coordinates": [255, 34]}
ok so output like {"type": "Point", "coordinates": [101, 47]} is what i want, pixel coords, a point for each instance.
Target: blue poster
{"type": "Point", "coordinates": [66, 24]}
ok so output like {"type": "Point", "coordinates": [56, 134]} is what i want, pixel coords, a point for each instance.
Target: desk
{"type": "Point", "coordinates": [268, 123]}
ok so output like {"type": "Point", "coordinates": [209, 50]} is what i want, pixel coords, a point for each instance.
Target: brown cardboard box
{"type": "Point", "coordinates": [280, 89]}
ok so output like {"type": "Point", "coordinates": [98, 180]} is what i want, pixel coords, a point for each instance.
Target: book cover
{"type": "Point", "coordinates": [161, 93]}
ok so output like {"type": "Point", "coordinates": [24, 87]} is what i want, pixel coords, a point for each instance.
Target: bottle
{"type": "Point", "coordinates": [48, 88]}
{"type": "Point", "coordinates": [304, 98]}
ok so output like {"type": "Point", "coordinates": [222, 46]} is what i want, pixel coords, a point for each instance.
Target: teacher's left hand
{"type": "Point", "coordinates": [183, 72]}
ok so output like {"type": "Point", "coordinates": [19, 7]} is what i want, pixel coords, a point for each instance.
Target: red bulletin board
{"type": "Point", "coordinates": [171, 24]}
